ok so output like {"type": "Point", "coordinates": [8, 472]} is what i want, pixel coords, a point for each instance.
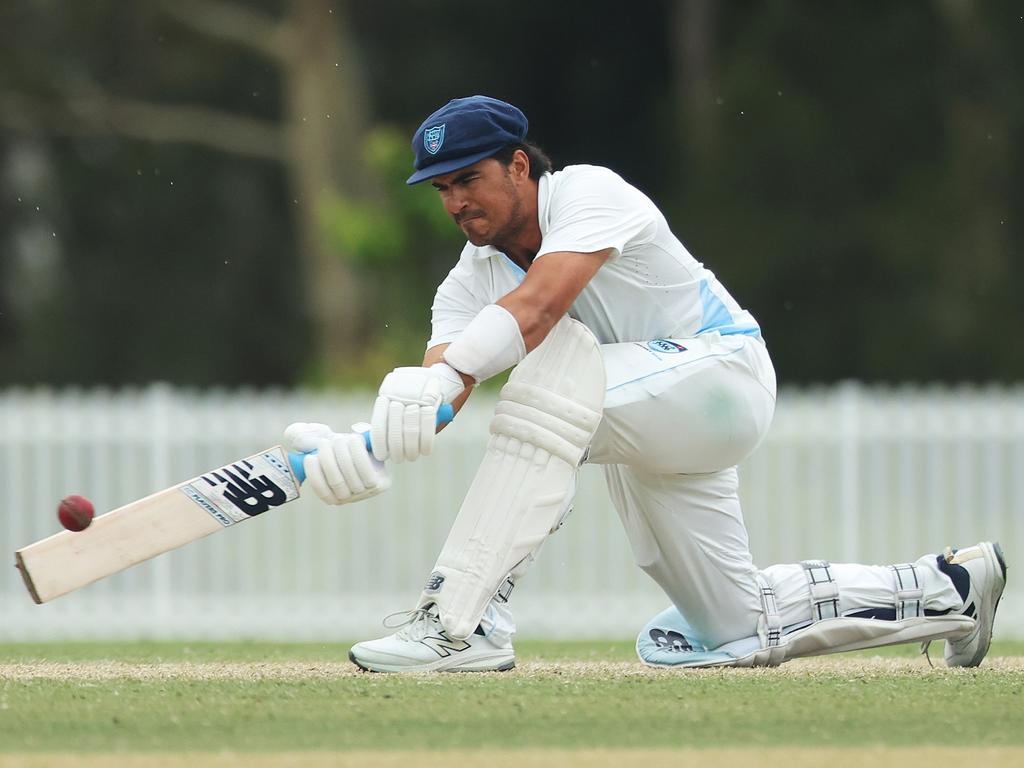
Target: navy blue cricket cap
{"type": "Point", "coordinates": [463, 132]}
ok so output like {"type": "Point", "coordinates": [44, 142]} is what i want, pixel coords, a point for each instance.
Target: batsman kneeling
{"type": "Point", "coordinates": [628, 353]}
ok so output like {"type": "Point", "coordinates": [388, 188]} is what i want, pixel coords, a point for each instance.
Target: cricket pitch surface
{"type": "Point", "coordinates": [263, 705]}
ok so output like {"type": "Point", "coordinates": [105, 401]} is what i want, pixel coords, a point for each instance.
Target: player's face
{"type": "Point", "coordinates": [486, 199]}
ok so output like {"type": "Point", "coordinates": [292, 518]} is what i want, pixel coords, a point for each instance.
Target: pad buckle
{"type": "Point", "coordinates": [823, 588]}
{"type": "Point", "coordinates": [772, 629]}
{"type": "Point", "coordinates": [907, 591]}
{"type": "Point", "coordinates": [505, 590]}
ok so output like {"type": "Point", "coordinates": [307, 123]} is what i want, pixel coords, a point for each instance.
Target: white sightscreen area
{"type": "Point", "coordinates": [848, 473]}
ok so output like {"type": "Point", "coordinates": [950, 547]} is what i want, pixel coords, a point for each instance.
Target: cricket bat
{"type": "Point", "coordinates": [165, 520]}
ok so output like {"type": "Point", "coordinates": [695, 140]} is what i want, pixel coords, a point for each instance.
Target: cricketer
{"type": "Point", "coordinates": [627, 353]}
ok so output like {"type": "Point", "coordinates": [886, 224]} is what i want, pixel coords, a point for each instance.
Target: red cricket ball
{"type": "Point", "coordinates": [75, 512]}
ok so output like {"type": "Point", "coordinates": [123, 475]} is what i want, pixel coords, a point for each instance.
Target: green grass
{"type": "Point", "coordinates": [208, 652]}
{"type": "Point", "coordinates": [565, 708]}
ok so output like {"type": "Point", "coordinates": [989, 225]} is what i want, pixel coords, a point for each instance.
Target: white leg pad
{"type": "Point", "coordinates": [542, 426]}
{"type": "Point", "coordinates": [655, 648]}
{"type": "Point", "coordinates": [832, 633]}
{"type": "Point", "coordinates": [828, 632]}
{"type": "Point", "coordinates": [853, 634]}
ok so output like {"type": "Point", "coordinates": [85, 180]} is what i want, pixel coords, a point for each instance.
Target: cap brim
{"type": "Point", "coordinates": [447, 166]}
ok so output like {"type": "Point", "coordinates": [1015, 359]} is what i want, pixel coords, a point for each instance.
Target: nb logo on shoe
{"type": "Point", "coordinates": [670, 641]}
{"type": "Point", "coordinates": [434, 583]}
{"type": "Point", "coordinates": [443, 645]}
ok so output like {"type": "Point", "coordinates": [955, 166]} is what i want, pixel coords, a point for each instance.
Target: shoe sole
{"type": "Point", "coordinates": [997, 562]}
{"type": "Point", "coordinates": [438, 666]}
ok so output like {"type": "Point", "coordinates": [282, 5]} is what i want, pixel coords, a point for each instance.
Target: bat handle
{"type": "Point", "coordinates": [445, 413]}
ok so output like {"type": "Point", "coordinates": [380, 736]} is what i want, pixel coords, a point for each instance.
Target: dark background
{"type": "Point", "coordinates": [212, 192]}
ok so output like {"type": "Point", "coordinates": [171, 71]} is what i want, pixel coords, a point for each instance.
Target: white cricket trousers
{"type": "Point", "coordinates": [679, 416]}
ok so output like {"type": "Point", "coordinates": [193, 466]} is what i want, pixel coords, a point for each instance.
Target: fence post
{"type": "Point", "coordinates": [849, 397]}
{"type": "Point", "coordinates": [159, 438]}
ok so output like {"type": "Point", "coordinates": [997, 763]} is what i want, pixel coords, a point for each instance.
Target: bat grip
{"type": "Point", "coordinates": [445, 413]}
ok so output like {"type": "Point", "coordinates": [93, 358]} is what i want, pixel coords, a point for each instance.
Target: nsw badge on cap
{"type": "Point", "coordinates": [433, 138]}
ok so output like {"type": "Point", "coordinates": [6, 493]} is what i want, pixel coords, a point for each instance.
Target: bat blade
{"type": "Point", "coordinates": [157, 523]}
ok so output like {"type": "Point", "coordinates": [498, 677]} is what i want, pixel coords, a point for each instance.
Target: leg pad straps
{"type": "Point", "coordinates": [824, 590]}
{"type": "Point", "coordinates": [908, 594]}
{"type": "Point", "coordinates": [908, 591]}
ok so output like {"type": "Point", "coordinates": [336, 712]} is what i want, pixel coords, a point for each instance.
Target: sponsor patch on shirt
{"type": "Point", "coordinates": [666, 346]}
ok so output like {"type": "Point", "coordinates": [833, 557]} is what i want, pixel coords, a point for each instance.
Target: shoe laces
{"type": "Point", "coordinates": [924, 652]}
{"type": "Point", "coordinates": [413, 625]}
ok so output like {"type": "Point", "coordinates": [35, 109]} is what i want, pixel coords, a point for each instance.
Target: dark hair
{"type": "Point", "coordinates": [540, 163]}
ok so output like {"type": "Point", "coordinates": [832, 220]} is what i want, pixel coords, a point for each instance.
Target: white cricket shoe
{"type": "Point", "coordinates": [423, 645]}
{"type": "Point", "coordinates": [986, 567]}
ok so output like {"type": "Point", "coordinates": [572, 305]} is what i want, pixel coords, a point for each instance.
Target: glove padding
{"type": "Point", "coordinates": [341, 470]}
{"type": "Point", "coordinates": [405, 413]}
{"type": "Point", "coordinates": [301, 437]}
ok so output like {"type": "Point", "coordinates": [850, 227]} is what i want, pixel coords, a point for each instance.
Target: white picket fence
{"type": "Point", "coordinates": [848, 473]}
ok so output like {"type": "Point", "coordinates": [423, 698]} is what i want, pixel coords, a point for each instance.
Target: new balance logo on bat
{"type": "Point", "coordinates": [443, 645]}
{"type": "Point", "coordinates": [158, 523]}
{"type": "Point", "coordinates": [245, 488]}
{"type": "Point", "coordinates": [251, 494]}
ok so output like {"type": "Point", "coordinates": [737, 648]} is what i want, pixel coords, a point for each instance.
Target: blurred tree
{"type": "Point", "coordinates": [319, 138]}
{"type": "Point", "coordinates": [853, 180]}
{"type": "Point", "coordinates": [323, 132]}
{"type": "Point", "coordinates": [851, 171]}
{"type": "Point", "coordinates": [691, 34]}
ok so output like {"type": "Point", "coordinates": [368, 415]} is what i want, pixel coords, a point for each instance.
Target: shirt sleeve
{"type": "Point", "coordinates": [593, 209]}
{"type": "Point", "coordinates": [455, 304]}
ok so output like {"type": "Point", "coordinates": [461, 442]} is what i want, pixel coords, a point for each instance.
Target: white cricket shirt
{"type": "Point", "coordinates": [649, 288]}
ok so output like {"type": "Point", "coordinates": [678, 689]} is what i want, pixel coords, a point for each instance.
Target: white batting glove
{"type": "Point", "coordinates": [338, 467]}
{"type": "Point", "coordinates": [301, 437]}
{"type": "Point", "coordinates": [405, 413]}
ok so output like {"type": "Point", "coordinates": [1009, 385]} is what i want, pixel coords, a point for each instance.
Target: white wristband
{"type": "Point", "coordinates": [491, 343]}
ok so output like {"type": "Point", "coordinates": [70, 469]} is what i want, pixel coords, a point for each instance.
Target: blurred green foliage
{"type": "Point", "coordinates": [851, 171]}
{"type": "Point", "coordinates": [378, 236]}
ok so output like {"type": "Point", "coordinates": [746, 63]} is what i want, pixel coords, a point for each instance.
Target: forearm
{"type": "Point", "coordinates": [551, 286]}
{"type": "Point", "coordinates": [502, 334]}
{"type": "Point", "coordinates": [535, 319]}
{"type": "Point", "coordinates": [436, 355]}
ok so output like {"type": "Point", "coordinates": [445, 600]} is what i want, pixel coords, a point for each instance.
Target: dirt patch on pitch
{"type": "Point", "coordinates": [94, 671]}
{"type": "Point", "coordinates": [850, 666]}
{"type": "Point", "coordinates": [850, 757]}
